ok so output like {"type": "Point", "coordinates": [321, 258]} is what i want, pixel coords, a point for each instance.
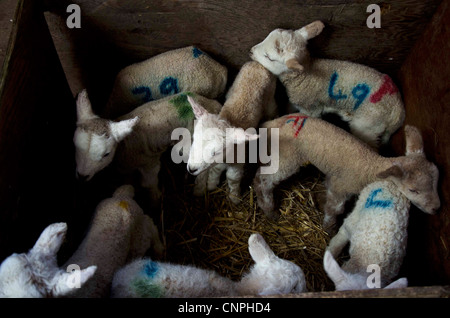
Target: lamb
{"type": "Point", "coordinates": [348, 163]}
{"type": "Point", "coordinates": [269, 275]}
{"type": "Point", "coordinates": [377, 231]}
{"type": "Point", "coordinates": [119, 233]}
{"type": "Point", "coordinates": [348, 281]}
{"type": "Point", "coordinates": [36, 274]}
{"type": "Point", "coordinates": [368, 100]}
{"type": "Point", "coordinates": [249, 100]}
{"type": "Point", "coordinates": [136, 140]}
{"type": "Point", "coordinates": [187, 69]}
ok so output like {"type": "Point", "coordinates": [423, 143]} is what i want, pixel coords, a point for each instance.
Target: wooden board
{"type": "Point", "coordinates": [116, 33]}
{"type": "Point", "coordinates": [409, 292]}
{"type": "Point", "coordinates": [425, 81]}
{"type": "Point", "coordinates": [7, 11]}
{"type": "Point", "coordinates": [37, 120]}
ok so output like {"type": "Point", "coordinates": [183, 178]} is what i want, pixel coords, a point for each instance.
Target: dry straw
{"type": "Point", "coordinates": [210, 232]}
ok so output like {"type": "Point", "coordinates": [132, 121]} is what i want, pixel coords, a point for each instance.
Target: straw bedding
{"type": "Point", "coordinates": [210, 232]}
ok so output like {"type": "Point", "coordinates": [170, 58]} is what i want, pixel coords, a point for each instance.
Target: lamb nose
{"type": "Point", "coordinates": [81, 177]}
{"type": "Point", "coordinates": [191, 171]}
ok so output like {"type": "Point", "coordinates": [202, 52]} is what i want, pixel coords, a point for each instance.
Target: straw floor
{"type": "Point", "coordinates": [210, 232]}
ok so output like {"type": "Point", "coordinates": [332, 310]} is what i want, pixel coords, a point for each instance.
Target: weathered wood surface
{"type": "Point", "coordinates": [229, 29]}
{"type": "Point", "coordinates": [115, 33]}
{"type": "Point", "coordinates": [425, 78]}
{"type": "Point", "coordinates": [7, 11]}
{"type": "Point", "coordinates": [409, 292]}
{"type": "Point", "coordinates": [37, 115]}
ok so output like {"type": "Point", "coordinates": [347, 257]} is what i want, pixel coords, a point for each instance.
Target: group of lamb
{"type": "Point", "coordinates": [179, 88]}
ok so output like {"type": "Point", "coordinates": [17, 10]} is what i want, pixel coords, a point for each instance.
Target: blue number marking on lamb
{"type": "Point", "coordinates": [143, 90]}
{"type": "Point", "coordinates": [333, 81]}
{"type": "Point", "coordinates": [372, 203]}
{"type": "Point", "coordinates": [196, 52]}
{"type": "Point", "coordinates": [150, 269]}
{"type": "Point", "coordinates": [360, 92]}
{"type": "Point", "coordinates": [169, 86]}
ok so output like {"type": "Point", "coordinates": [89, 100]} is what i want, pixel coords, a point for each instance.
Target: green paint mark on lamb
{"type": "Point", "coordinates": [147, 289]}
{"type": "Point", "coordinates": [182, 105]}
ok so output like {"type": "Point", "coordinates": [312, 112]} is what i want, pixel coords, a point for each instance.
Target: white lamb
{"type": "Point", "coordinates": [136, 140]}
{"type": "Point", "coordinates": [348, 281]}
{"type": "Point", "coordinates": [348, 163]}
{"type": "Point", "coordinates": [268, 276]}
{"type": "Point", "coordinates": [377, 231]}
{"type": "Point", "coordinates": [119, 233]}
{"type": "Point", "coordinates": [368, 100]}
{"type": "Point", "coordinates": [36, 274]}
{"type": "Point", "coordinates": [187, 69]}
{"type": "Point", "coordinates": [249, 100]}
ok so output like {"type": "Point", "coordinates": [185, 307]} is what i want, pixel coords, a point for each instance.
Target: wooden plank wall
{"type": "Point", "coordinates": [7, 11]}
{"type": "Point", "coordinates": [425, 79]}
{"type": "Point", "coordinates": [115, 33]}
{"type": "Point", "coordinates": [37, 120]}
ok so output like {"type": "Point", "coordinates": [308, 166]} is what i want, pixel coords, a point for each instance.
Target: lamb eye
{"type": "Point", "coordinates": [268, 57]}
{"type": "Point", "coordinates": [414, 191]}
{"type": "Point", "coordinates": [106, 155]}
{"type": "Point", "coordinates": [215, 153]}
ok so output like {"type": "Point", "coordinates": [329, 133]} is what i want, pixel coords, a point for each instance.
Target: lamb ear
{"type": "Point", "coordinates": [394, 171]}
{"type": "Point", "coordinates": [332, 268]}
{"type": "Point", "coordinates": [68, 282]}
{"type": "Point", "coordinates": [311, 30]}
{"type": "Point", "coordinates": [293, 64]}
{"type": "Point", "coordinates": [414, 141]}
{"type": "Point", "coordinates": [49, 241]}
{"type": "Point", "coordinates": [84, 108]}
{"type": "Point", "coordinates": [121, 129]}
{"type": "Point", "coordinates": [399, 283]}
{"type": "Point", "coordinates": [259, 249]}
{"type": "Point", "coordinates": [198, 110]}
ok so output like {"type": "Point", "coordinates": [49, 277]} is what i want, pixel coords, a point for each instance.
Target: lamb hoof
{"type": "Point", "coordinates": [212, 186]}
{"type": "Point", "coordinates": [199, 191]}
{"type": "Point", "coordinates": [200, 184]}
{"type": "Point", "coordinates": [272, 215]}
{"type": "Point", "coordinates": [234, 199]}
